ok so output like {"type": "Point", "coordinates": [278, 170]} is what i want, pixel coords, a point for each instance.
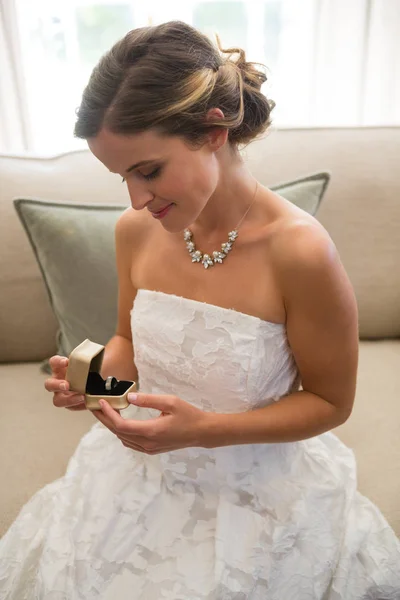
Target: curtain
{"type": "Point", "coordinates": [381, 84]}
{"type": "Point", "coordinates": [14, 119]}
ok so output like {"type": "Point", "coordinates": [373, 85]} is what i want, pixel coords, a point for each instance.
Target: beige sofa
{"type": "Point", "coordinates": [361, 211]}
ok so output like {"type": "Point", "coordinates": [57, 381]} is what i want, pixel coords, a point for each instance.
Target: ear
{"type": "Point", "coordinates": [217, 136]}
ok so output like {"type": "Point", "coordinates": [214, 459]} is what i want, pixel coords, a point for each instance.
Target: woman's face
{"type": "Point", "coordinates": [172, 174]}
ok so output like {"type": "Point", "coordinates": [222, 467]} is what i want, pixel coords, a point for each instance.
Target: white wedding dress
{"type": "Point", "coordinates": [281, 521]}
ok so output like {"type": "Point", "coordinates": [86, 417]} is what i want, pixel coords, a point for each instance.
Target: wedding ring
{"type": "Point", "coordinates": [110, 383]}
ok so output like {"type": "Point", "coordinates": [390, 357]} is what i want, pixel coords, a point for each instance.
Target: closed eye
{"type": "Point", "coordinates": [150, 176]}
{"type": "Point", "coordinates": [153, 174]}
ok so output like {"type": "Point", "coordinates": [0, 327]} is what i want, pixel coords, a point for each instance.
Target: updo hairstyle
{"type": "Point", "coordinates": [167, 77]}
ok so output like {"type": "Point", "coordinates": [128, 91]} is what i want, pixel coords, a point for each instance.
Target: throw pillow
{"type": "Point", "coordinates": [307, 192]}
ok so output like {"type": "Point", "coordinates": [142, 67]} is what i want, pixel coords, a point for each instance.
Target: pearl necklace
{"type": "Point", "coordinates": [226, 247]}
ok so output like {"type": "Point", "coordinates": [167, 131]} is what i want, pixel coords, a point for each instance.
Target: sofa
{"type": "Point", "coordinates": [361, 212]}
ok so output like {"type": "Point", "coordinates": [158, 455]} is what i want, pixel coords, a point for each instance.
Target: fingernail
{"type": "Point", "coordinates": [64, 386]}
{"type": "Point", "coordinates": [132, 397]}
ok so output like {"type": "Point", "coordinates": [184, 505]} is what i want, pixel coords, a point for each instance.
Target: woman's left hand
{"type": "Point", "coordinates": [180, 424]}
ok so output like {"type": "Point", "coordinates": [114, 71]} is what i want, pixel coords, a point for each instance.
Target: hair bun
{"type": "Point", "coordinates": [256, 107]}
{"type": "Point", "coordinates": [251, 75]}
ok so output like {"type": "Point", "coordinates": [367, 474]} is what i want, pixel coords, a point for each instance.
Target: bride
{"type": "Point", "coordinates": [222, 480]}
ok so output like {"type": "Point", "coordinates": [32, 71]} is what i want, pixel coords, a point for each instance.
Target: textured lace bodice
{"type": "Point", "coordinates": [216, 358]}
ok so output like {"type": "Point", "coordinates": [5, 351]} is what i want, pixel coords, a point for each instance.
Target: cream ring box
{"type": "Point", "coordinates": [83, 376]}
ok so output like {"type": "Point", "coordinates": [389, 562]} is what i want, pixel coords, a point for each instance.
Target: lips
{"type": "Point", "coordinates": [156, 212]}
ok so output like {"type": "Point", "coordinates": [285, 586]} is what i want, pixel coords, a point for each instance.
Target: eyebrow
{"type": "Point", "coordinates": [140, 163]}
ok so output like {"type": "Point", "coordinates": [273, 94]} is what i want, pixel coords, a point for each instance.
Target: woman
{"type": "Point", "coordinates": [222, 480]}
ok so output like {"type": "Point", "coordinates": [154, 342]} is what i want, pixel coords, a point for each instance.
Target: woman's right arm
{"type": "Point", "coordinates": [119, 357]}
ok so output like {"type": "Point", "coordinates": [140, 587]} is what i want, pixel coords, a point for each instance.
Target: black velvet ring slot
{"type": "Point", "coordinates": [96, 386]}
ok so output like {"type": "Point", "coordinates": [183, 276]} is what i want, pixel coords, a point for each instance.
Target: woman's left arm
{"type": "Point", "coordinates": [322, 331]}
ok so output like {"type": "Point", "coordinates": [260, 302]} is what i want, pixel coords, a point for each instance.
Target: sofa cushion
{"type": "Point", "coordinates": [74, 247]}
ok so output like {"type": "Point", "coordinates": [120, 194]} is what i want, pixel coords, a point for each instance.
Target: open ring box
{"type": "Point", "coordinates": [83, 376]}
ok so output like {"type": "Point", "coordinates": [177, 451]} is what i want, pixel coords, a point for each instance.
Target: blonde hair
{"type": "Point", "coordinates": [167, 77]}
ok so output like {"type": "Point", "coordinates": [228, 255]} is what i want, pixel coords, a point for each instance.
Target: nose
{"type": "Point", "coordinates": [140, 195]}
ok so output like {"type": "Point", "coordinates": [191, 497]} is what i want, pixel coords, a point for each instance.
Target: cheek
{"type": "Point", "coordinates": [204, 176]}
{"type": "Point", "coordinates": [196, 182]}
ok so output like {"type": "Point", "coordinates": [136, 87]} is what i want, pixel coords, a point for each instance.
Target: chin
{"type": "Point", "coordinates": [174, 228]}
{"type": "Point", "coordinates": [177, 225]}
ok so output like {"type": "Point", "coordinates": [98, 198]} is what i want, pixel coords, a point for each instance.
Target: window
{"type": "Point", "coordinates": [211, 17]}
{"type": "Point", "coordinates": [330, 62]}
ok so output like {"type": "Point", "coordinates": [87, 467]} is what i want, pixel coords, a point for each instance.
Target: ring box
{"type": "Point", "coordinates": [83, 376]}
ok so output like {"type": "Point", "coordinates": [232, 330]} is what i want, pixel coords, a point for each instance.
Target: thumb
{"type": "Point", "coordinates": [164, 403]}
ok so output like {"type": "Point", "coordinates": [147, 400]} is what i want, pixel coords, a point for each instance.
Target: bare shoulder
{"type": "Point", "coordinates": [307, 263]}
{"type": "Point", "coordinates": [131, 228]}
{"type": "Point", "coordinates": [301, 240]}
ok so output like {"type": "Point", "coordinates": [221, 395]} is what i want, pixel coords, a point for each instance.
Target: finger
{"type": "Point", "coordinates": [164, 403]}
{"type": "Point", "coordinates": [141, 429]}
{"type": "Point", "coordinates": [61, 400]}
{"type": "Point", "coordinates": [109, 417]}
{"type": "Point", "coordinates": [136, 440]}
{"type": "Point", "coordinates": [105, 420]}
{"type": "Point", "coordinates": [80, 406]}
{"type": "Point", "coordinates": [52, 384]}
{"type": "Point", "coordinates": [133, 446]}
{"type": "Point", "coordinates": [114, 410]}
{"type": "Point", "coordinates": [139, 448]}
{"type": "Point", "coordinates": [111, 414]}
{"type": "Point", "coordinates": [58, 363]}
{"type": "Point", "coordinates": [76, 400]}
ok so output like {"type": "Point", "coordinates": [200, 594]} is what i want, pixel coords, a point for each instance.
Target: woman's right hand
{"type": "Point", "coordinates": [62, 398]}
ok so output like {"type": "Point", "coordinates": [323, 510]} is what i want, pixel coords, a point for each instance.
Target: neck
{"type": "Point", "coordinates": [227, 206]}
